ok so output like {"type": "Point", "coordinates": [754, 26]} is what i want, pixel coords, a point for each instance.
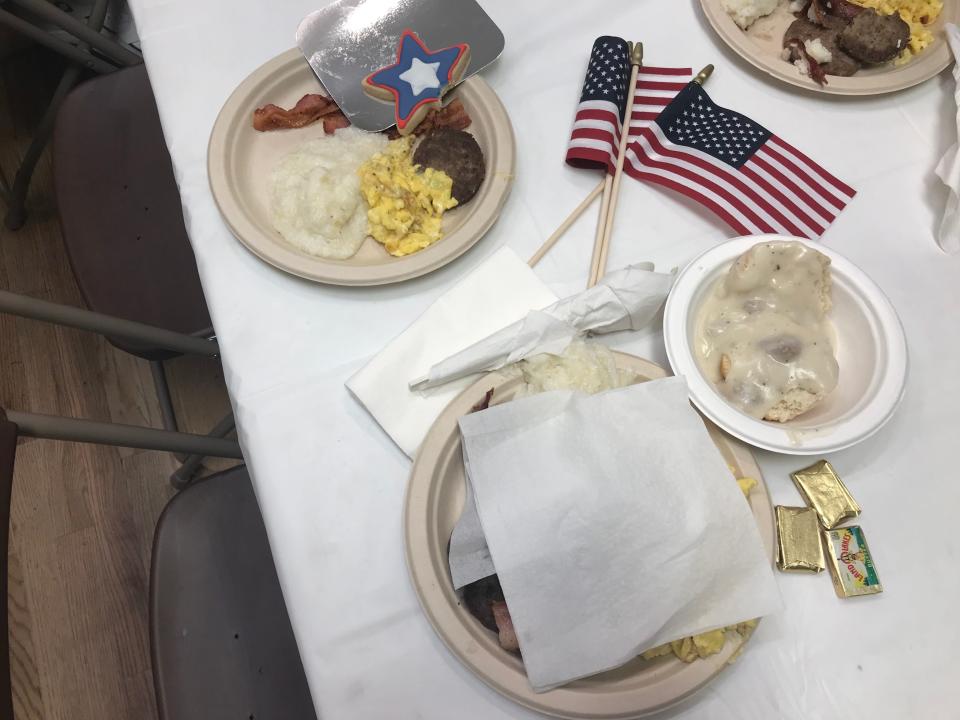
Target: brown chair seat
{"type": "Point", "coordinates": [120, 208]}
{"type": "Point", "coordinates": [221, 640]}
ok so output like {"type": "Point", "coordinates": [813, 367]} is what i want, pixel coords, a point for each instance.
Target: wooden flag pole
{"type": "Point", "coordinates": [601, 224]}
{"type": "Point", "coordinates": [588, 200]}
{"type": "Point", "coordinates": [601, 267]}
{"type": "Point", "coordinates": [605, 225]}
{"type": "Point", "coordinates": [565, 225]}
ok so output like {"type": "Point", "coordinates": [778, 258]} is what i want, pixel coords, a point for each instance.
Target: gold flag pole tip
{"type": "Point", "coordinates": [636, 54]}
{"type": "Point", "coordinates": [703, 75]}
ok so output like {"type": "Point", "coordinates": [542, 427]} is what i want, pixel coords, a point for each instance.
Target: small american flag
{"type": "Point", "coordinates": [757, 182]}
{"type": "Point", "coordinates": [596, 130]}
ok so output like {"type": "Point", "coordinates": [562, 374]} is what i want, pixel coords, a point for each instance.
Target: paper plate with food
{"type": "Point", "coordinates": [583, 541]}
{"type": "Point", "coordinates": [786, 344]}
{"type": "Point", "coordinates": [395, 165]}
{"type": "Point", "coordinates": [845, 47]}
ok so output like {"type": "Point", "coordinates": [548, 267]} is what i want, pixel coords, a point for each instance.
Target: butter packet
{"type": "Point", "coordinates": [798, 540]}
{"type": "Point", "coordinates": [825, 492]}
{"type": "Point", "coordinates": [851, 563]}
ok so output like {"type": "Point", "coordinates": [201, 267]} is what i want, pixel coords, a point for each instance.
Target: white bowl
{"type": "Point", "coordinates": [871, 352]}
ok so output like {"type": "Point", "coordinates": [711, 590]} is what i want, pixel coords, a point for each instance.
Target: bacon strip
{"type": "Point", "coordinates": [334, 121]}
{"type": "Point", "coordinates": [508, 636]}
{"type": "Point", "coordinates": [484, 403]}
{"type": "Point", "coordinates": [308, 109]}
{"type": "Point", "coordinates": [452, 117]}
{"type": "Point", "coordinates": [313, 107]}
{"type": "Point", "coordinates": [798, 50]}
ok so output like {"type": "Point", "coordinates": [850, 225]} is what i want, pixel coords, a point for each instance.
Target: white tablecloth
{"type": "Point", "coordinates": [331, 484]}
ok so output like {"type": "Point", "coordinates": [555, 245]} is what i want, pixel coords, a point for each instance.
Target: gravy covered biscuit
{"type": "Point", "coordinates": [763, 336]}
{"type": "Point", "coordinates": [416, 82]}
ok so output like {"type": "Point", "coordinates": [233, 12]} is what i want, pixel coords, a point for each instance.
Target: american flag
{"type": "Point", "coordinates": [596, 130]}
{"type": "Point", "coordinates": [756, 181]}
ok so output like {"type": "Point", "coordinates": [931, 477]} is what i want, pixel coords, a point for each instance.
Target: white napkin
{"type": "Point", "coordinates": [498, 292]}
{"type": "Point", "coordinates": [626, 299]}
{"type": "Point", "coordinates": [614, 524]}
{"type": "Point", "coordinates": [949, 168]}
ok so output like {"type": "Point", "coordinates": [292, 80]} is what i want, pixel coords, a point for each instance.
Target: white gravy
{"type": "Point", "coordinates": [768, 316]}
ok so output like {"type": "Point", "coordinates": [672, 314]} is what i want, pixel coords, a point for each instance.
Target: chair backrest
{"type": "Point", "coordinates": [8, 446]}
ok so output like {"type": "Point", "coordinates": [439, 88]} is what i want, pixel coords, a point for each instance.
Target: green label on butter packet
{"type": "Point", "coordinates": [853, 570]}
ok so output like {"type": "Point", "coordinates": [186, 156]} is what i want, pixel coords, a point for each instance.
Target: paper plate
{"type": "Point", "coordinates": [762, 43]}
{"type": "Point", "coordinates": [870, 345]}
{"type": "Point", "coordinates": [240, 159]}
{"type": "Point", "coordinates": [433, 504]}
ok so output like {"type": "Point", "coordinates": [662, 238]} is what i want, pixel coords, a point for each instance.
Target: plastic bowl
{"type": "Point", "coordinates": [871, 352]}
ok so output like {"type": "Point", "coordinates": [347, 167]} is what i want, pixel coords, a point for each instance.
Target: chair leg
{"type": "Point", "coordinates": [189, 464]}
{"type": "Point", "coordinates": [16, 208]}
{"type": "Point", "coordinates": [183, 476]}
{"type": "Point", "coordinates": [167, 412]}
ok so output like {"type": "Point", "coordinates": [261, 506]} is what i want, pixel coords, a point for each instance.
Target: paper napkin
{"type": "Point", "coordinates": [498, 292]}
{"type": "Point", "coordinates": [949, 168]}
{"type": "Point", "coordinates": [627, 299]}
{"type": "Point", "coordinates": [614, 524]}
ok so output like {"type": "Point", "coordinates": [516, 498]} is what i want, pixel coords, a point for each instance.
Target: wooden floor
{"type": "Point", "coordinates": [82, 516]}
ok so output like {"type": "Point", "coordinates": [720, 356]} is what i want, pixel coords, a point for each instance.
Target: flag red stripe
{"type": "Point", "coordinates": [690, 193]}
{"type": "Point", "coordinates": [591, 114]}
{"type": "Point", "coordinates": [665, 71]}
{"type": "Point", "coordinates": [593, 134]}
{"type": "Point", "coordinates": [588, 158]}
{"type": "Point", "coordinates": [805, 177]}
{"type": "Point", "coordinates": [841, 186]}
{"type": "Point", "coordinates": [703, 180]}
{"type": "Point", "coordinates": [808, 202]}
{"type": "Point", "coordinates": [731, 176]}
{"type": "Point", "coordinates": [815, 228]}
{"type": "Point", "coordinates": [654, 85]}
{"type": "Point", "coordinates": [652, 100]}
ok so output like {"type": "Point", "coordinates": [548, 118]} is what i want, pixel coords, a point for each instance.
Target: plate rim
{"type": "Point", "coordinates": [333, 272]}
{"type": "Point", "coordinates": [736, 39]}
{"type": "Point", "coordinates": [766, 435]}
{"type": "Point", "coordinates": [430, 585]}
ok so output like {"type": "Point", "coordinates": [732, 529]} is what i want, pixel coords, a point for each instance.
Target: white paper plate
{"type": "Point", "coordinates": [239, 159]}
{"type": "Point", "coordinates": [871, 351]}
{"type": "Point", "coordinates": [434, 501]}
{"type": "Point", "coordinates": [762, 43]}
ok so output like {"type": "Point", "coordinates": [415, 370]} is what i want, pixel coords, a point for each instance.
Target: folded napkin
{"type": "Point", "coordinates": [498, 292]}
{"type": "Point", "coordinates": [614, 524]}
{"type": "Point", "coordinates": [949, 168]}
{"type": "Point", "coordinates": [626, 299]}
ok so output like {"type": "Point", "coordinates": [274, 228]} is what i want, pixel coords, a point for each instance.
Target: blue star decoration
{"type": "Point", "coordinates": [415, 83]}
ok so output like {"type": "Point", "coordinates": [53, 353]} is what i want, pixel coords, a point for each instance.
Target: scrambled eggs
{"type": "Point", "coordinates": [406, 206]}
{"type": "Point", "coordinates": [705, 644]}
{"type": "Point", "coordinates": [918, 14]}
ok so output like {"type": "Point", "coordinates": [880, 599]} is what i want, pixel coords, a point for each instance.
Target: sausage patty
{"type": "Point", "coordinates": [874, 38]}
{"type": "Point", "coordinates": [456, 153]}
{"type": "Point", "coordinates": [840, 63]}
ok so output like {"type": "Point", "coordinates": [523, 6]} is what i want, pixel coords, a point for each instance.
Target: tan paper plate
{"type": "Point", "coordinates": [433, 504]}
{"type": "Point", "coordinates": [240, 159]}
{"type": "Point", "coordinates": [762, 43]}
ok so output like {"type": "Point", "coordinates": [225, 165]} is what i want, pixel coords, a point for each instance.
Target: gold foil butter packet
{"type": "Point", "coordinates": [798, 540]}
{"type": "Point", "coordinates": [851, 563]}
{"type": "Point", "coordinates": [825, 492]}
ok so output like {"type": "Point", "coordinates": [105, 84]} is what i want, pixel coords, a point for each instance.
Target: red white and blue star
{"type": "Point", "coordinates": [418, 78]}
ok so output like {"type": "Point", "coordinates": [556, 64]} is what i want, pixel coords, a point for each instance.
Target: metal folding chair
{"type": "Point", "coordinates": [89, 51]}
{"type": "Point", "coordinates": [130, 333]}
{"type": "Point", "coordinates": [221, 642]}
{"type": "Point", "coordinates": [122, 225]}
